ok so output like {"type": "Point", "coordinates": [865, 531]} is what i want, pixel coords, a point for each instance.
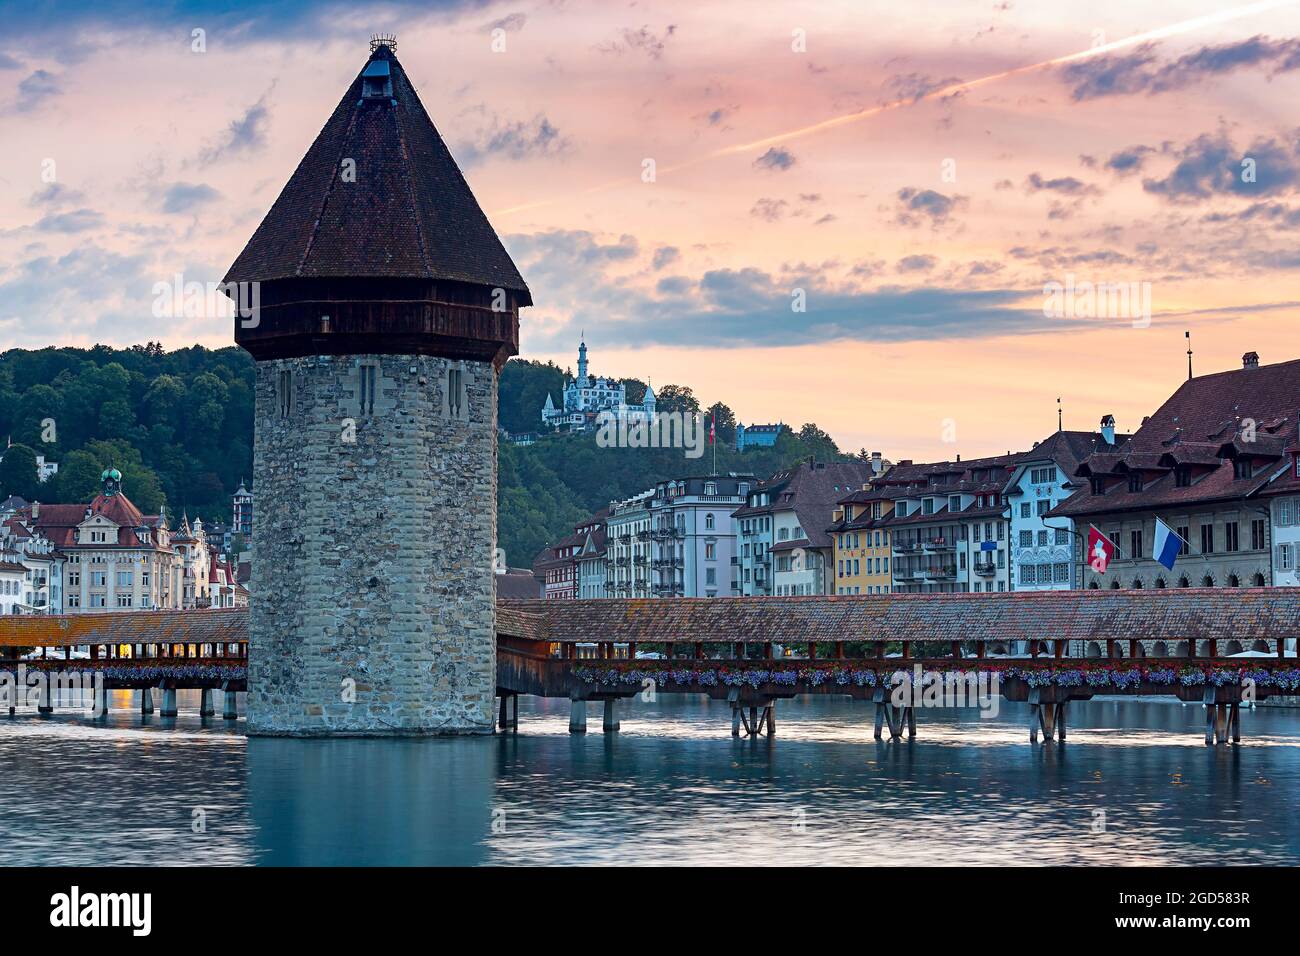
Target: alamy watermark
{"type": "Point", "coordinates": [37, 686]}
{"type": "Point", "coordinates": [922, 688]}
{"type": "Point", "coordinates": [662, 430]}
{"type": "Point", "coordinates": [1076, 299]}
{"type": "Point", "coordinates": [199, 300]}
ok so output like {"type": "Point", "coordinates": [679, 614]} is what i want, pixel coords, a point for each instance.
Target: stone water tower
{"type": "Point", "coordinates": [385, 309]}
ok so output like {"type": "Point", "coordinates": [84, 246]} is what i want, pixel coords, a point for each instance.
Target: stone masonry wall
{"type": "Point", "coordinates": [373, 599]}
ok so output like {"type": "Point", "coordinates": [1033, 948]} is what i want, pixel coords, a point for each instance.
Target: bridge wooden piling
{"type": "Point", "coordinates": [168, 702]}
{"type": "Point", "coordinates": [577, 716]}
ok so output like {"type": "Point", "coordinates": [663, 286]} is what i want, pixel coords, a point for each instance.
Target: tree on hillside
{"type": "Point", "coordinates": [77, 480]}
{"type": "Point", "coordinates": [39, 404]}
{"type": "Point", "coordinates": [139, 482]}
{"type": "Point", "coordinates": [633, 390]}
{"type": "Point", "coordinates": [522, 393]}
{"type": "Point", "coordinates": [18, 473]}
{"type": "Point", "coordinates": [724, 421]}
{"type": "Point", "coordinates": [819, 443]}
{"type": "Point", "coordinates": [677, 398]}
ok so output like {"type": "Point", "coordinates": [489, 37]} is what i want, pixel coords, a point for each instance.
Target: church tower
{"type": "Point", "coordinates": [385, 307]}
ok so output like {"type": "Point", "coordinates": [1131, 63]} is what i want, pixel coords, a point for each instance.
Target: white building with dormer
{"type": "Point", "coordinates": [585, 398]}
{"type": "Point", "coordinates": [117, 559]}
{"type": "Point", "coordinates": [23, 544]}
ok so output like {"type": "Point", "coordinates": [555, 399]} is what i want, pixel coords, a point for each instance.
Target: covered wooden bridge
{"type": "Point", "coordinates": [753, 652]}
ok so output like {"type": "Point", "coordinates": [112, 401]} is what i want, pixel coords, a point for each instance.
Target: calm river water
{"type": "Point", "coordinates": [672, 788]}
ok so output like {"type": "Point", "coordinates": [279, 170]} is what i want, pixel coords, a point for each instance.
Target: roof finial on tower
{"type": "Point", "coordinates": [383, 39]}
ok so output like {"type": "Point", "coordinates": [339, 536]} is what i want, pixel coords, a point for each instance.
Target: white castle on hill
{"type": "Point", "coordinates": [586, 398]}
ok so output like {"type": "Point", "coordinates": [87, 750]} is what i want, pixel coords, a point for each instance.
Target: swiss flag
{"type": "Point", "coordinates": [1100, 550]}
{"type": "Point", "coordinates": [713, 434]}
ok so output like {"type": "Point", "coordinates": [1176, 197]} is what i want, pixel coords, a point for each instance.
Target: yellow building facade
{"type": "Point", "coordinates": [861, 550]}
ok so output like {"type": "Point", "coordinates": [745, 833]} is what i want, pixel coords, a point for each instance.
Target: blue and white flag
{"type": "Point", "coordinates": [1167, 545]}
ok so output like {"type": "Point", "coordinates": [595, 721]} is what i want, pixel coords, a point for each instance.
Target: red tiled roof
{"type": "Point", "coordinates": [59, 522]}
{"type": "Point", "coordinates": [1201, 426]}
{"type": "Point", "coordinates": [811, 491]}
{"type": "Point", "coordinates": [517, 584]}
{"type": "Point", "coordinates": [126, 627]}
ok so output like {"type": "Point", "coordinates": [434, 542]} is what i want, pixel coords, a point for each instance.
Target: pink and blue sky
{"type": "Point", "coordinates": [872, 155]}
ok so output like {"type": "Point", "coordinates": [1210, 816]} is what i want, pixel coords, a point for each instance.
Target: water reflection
{"type": "Point", "coordinates": [672, 787]}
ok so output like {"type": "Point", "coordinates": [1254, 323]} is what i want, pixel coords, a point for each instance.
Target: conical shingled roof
{"type": "Point", "coordinates": [408, 214]}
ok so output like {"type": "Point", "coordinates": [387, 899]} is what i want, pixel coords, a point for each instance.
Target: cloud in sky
{"type": "Point", "coordinates": [917, 207]}
{"type": "Point", "coordinates": [55, 194]}
{"type": "Point", "coordinates": [1139, 71]}
{"type": "Point", "coordinates": [33, 92]}
{"type": "Point", "coordinates": [186, 197]}
{"type": "Point", "coordinates": [777, 159]}
{"type": "Point", "coordinates": [245, 134]}
{"type": "Point", "coordinates": [514, 140]}
{"type": "Point", "coordinates": [650, 42]}
{"type": "Point", "coordinates": [78, 220]}
{"type": "Point", "coordinates": [593, 279]}
{"type": "Point", "coordinates": [511, 23]}
{"type": "Point", "coordinates": [1211, 165]}
{"type": "Point", "coordinates": [1128, 161]}
{"type": "Point", "coordinates": [1064, 185]}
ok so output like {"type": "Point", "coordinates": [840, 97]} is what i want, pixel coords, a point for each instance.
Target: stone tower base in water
{"type": "Point", "coordinates": [373, 597]}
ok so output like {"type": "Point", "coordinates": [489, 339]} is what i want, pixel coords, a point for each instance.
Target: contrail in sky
{"type": "Point", "coordinates": [1175, 29]}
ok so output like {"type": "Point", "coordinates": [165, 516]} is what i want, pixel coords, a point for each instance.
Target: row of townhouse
{"type": "Point", "coordinates": [971, 526]}
{"type": "Point", "coordinates": [677, 539]}
{"type": "Point", "coordinates": [107, 556]}
{"type": "Point", "coordinates": [1218, 463]}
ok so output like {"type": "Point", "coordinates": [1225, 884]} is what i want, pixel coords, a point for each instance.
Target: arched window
{"type": "Point", "coordinates": [1234, 581]}
{"type": "Point", "coordinates": [708, 520]}
{"type": "Point", "coordinates": [1207, 581]}
{"type": "Point", "coordinates": [1257, 581]}
{"type": "Point", "coordinates": [1114, 585]}
{"type": "Point", "coordinates": [1183, 582]}
{"type": "Point", "coordinates": [1160, 584]}
{"type": "Point", "coordinates": [1137, 584]}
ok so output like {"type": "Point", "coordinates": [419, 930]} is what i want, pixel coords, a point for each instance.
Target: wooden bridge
{"type": "Point", "coordinates": [754, 652]}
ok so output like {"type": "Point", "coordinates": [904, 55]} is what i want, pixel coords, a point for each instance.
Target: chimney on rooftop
{"type": "Point", "coordinates": [36, 510]}
{"type": "Point", "coordinates": [1108, 429]}
{"type": "Point", "coordinates": [876, 464]}
{"type": "Point", "coordinates": [1250, 360]}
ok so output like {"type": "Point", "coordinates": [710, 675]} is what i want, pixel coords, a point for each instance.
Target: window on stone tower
{"type": "Point", "coordinates": [366, 393]}
{"type": "Point", "coordinates": [285, 392]}
{"type": "Point", "coordinates": [454, 392]}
